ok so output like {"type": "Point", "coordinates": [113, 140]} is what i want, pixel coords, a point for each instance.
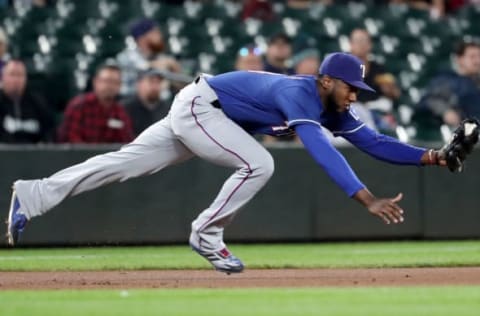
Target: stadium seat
{"type": "Point", "coordinates": [427, 128]}
{"type": "Point", "coordinates": [81, 11]}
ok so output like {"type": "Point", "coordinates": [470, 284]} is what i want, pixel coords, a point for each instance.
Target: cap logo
{"type": "Point", "coordinates": [362, 67]}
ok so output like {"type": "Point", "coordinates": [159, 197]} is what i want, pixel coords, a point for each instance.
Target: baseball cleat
{"type": "Point", "coordinates": [16, 221]}
{"type": "Point", "coordinates": [222, 260]}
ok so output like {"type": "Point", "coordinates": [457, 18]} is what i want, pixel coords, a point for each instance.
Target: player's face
{"type": "Point", "coordinates": [342, 95]}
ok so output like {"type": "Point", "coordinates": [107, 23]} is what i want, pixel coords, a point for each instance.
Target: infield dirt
{"type": "Point", "coordinates": [250, 278]}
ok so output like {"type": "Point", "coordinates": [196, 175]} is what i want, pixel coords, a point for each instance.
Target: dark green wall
{"type": "Point", "coordinates": [300, 203]}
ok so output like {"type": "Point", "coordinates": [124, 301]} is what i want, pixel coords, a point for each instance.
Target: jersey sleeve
{"type": "Point", "coordinates": [298, 106]}
{"type": "Point", "coordinates": [329, 158]}
{"type": "Point", "coordinates": [385, 148]}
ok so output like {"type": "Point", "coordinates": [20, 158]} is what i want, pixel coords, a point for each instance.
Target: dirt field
{"type": "Point", "coordinates": [250, 278]}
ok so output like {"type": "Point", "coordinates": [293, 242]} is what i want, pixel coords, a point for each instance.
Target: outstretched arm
{"type": "Point", "coordinates": [329, 158]}
{"type": "Point", "coordinates": [390, 149]}
{"type": "Point", "coordinates": [338, 169]}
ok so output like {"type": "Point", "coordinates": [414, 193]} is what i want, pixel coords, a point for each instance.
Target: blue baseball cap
{"type": "Point", "coordinates": [345, 67]}
{"type": "Point", "coordinates": [142, 27]}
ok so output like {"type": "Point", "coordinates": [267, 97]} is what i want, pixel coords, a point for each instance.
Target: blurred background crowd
{"type": "Point", "coordinates": [101, 71]}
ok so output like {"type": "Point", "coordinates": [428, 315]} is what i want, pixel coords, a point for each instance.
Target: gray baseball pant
{"type": "Point", "coordinates": [192, 127]}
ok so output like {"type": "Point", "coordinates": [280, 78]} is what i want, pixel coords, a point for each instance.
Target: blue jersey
{"type": "Point", "coordinates": [276, 104]}
{"type": "Point", "coordinates": [268, 103]}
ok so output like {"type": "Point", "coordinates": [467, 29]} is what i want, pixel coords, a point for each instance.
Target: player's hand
{"type": "Point", "coordinates": [387, 209]}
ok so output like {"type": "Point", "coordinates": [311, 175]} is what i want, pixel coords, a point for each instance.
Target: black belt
{"type": "Point", "coordinates": [214, 103]}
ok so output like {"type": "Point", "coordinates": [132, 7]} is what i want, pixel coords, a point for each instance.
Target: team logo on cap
{"type": "Point", "coordinates": [362, 68]}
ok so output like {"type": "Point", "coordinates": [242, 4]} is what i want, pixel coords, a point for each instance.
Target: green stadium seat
{"type": "Point", "coordinates": [221, 9]}
{"type": "Point", "coordinates": [71, 31]}
{"type": "Point", "coordinates": [59, 85]}
{"type": "Point", "coordinates": [327, 46]}
{"type": "Point", "coordinates": [38, 15]}
{"type": "Point", "coordinates": [68, 48]}
{"type": "Point", "coordinates": [110, 48]}
{"type": "Point", "coordinates": [427, 128]}
{"type": "Point", "coordinates": [82, 11]}
{"type": "Point", "coordinates": [123, 12]}
{"type": "Point", "coordinates": [112, 38]}
{"type": "Point", "coordinates": [267, 29]}
{"type": "Point", "coordinates": [298, 14]}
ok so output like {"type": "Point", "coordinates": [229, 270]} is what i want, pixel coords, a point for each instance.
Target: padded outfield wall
{"type": "Point", "coordinates": [300, 203]}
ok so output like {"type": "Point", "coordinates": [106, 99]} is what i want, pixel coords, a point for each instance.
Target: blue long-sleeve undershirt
{"type": "Point", "coordinates": [377, 145]}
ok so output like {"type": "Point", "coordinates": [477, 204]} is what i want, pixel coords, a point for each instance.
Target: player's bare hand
{"type": "Point", "coordinates": [387, 209]}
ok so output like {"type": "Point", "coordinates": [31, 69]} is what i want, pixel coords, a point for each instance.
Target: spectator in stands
{"type": "Point", "coordinates": [146, 107]}
{"type": "Point", "coordinates": [249, 58]}
{"type": "Point", "coordinates": [306, 62]}
{"type": "Point", "coordinates": [455, 94]}
{"type": "Point", "coordinates": [383, 103]}
{"type": "Point", "coordinates": [279, 51]}
{"type": "Point", "coordinates": [97, 117]}
{"type": "Point", "coordinates": [3, 49]}
{"type": "Point", "coordinates": [149, 52]}
{"type": "Point", "coordinates": [436, 8]}
{"type": "Point", "coordinates": [258, 9]}
{"type": "Point", "coordinates": [24, 116]}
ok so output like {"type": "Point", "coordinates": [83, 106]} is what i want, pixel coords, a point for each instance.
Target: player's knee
{"type": "Point", "coordinates": [270, 166]}
{"type": "Point", "coordinates": [265, 167]}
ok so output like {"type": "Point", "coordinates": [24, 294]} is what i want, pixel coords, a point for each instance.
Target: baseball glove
{"type": "Point", "coordinates": [461, 144]}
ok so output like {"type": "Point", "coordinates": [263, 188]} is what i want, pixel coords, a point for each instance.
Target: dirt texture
{"type": "Point", "coordinates": [249, 278]}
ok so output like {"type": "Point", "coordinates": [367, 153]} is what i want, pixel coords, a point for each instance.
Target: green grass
{"type": "Point", "coordinates": [446, 301]}
{"type": "Point", "coordinates": [372, 254]}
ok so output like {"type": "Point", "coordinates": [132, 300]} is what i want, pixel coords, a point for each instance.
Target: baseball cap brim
{"type": "Point", "coordinates": [361, 85]}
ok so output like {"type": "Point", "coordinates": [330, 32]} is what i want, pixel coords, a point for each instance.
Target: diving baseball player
{"type": "Point", "coordinates": [214, 118]}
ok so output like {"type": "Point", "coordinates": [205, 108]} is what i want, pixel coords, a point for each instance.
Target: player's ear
{"type": "Point", "coordinates": [326, 82]}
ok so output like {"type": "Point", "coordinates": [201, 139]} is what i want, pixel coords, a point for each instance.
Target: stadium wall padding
{"type": "Point", "coordinates": [300, 203]}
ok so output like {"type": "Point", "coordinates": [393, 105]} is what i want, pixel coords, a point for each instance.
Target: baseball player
{"type": "Point", "coordinates": [214, 118]}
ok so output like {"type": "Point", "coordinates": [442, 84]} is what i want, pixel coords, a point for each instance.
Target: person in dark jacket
{"type": "Point", "coordinates": [146, 107]}
{"type": "Point", "coordinates": [455, 94]}
{"type": "Point", "coordinates": [24, 116]}
{"type": "Point", "coordinates": [279, 51]}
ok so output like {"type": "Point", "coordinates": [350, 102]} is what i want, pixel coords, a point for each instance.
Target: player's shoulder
{"type": "Point", "coordinates": [294, 80]}
{"type": "Point", "coordinates": [296, 84]}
